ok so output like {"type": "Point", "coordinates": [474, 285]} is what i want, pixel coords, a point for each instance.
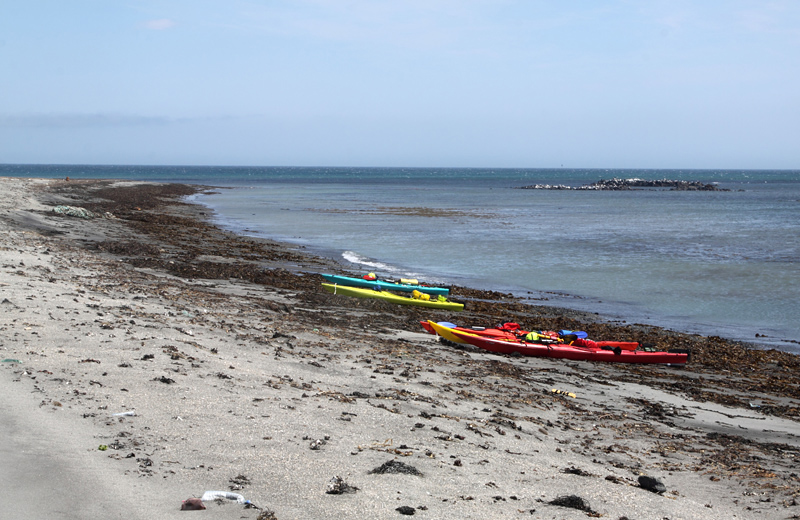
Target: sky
{"type": "Point", "coordinates": [426, 83]}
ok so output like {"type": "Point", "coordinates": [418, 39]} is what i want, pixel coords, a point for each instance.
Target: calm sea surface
{"type": "Point", "coordinates": [715, 263]}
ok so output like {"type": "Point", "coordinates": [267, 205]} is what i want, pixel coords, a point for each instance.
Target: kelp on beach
{"type": "Point", "coordinates": [178, 238]}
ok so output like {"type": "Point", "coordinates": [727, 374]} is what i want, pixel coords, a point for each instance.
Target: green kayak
{"type": "Point", "coordinates": [383, 284]}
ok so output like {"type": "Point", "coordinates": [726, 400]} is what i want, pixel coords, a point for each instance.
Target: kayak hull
{"type": "Point", "coordinates": [560, 351]}
{"type": "Point", "coordinates": [358, 292]}
{"type": "Point", "coordinates": [369, 284]}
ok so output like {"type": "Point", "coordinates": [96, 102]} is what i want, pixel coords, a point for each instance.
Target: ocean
{"type": "Point", "coordinates": [723, 263]}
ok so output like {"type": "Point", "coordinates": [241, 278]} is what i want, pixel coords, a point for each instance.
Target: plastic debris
{"type": "Point", "coordinates": [210, 496]}
{"type": "Point", "coordinates": [562, 392]}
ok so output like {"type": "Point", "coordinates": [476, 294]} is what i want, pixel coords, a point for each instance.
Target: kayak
{"type": "Point", "coordinates": [391, 297]}
{"type": "Point", "coordinates": [384, 284]}
{"type": "Point", "coordinates": [443, 329]}
{"type": "Point", "coordinates": [562, 351]}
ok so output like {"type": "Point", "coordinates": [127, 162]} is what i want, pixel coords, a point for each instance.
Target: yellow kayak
{"type": "Point", "coordinates": [445, 332]}
{"type": "Point", "coordinates": [358, 292]}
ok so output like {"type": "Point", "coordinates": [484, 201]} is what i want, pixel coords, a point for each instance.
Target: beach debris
{"type": "Point", "coordinates": [651, 484]}
{"type": "Point", "coordinates": [221, 496]}
{"type": "Point", "coordinates": [562, 392]}
{"type": "Point", "coordinates": [266, 514]}
{"type": "Point", "coordinates": [377, 445]}
{"type": "Point", "coordinates": [317, 444]}
{"type": "Point", "coordinates": [192, 504]}
{"type": "Point", "coordinates": [337, 486]}
{"type": "Point", "coordinates": [102, 447]}
{"type": "Point", "coordinates": [406, 510]}
{"type": "Point", "coordinates": [74, 211]}
{"type": "Point", "coordinates": [129, 413]}
{"type": "Point", "coordinates": [572, 501]}
{"type": "Point", "coordinates": [395, 466]}
{"type": "Point", "coordinates": [10, 360]}
{"type": "Point", "coordinates": [572, 470]}
{"type": "Point", "coordinates": [238, 482]}
{"type": "Point", "coordinates": [145, 463]}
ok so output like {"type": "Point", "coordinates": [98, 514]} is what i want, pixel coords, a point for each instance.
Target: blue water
{"type": "Point", "coordinates": [714, 263]}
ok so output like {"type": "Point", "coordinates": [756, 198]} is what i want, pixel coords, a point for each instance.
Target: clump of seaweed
{"type": "Point", "coordinates": [395, 466]}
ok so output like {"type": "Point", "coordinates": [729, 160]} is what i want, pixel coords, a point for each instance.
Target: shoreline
{"type": "Point", "coordinates": [632, 306]}
{"type": "Point", "coordinates": [237, 365]}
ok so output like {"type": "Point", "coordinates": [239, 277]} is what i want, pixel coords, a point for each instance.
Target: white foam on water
{"type": "Point", "coordinates": [355, 258]}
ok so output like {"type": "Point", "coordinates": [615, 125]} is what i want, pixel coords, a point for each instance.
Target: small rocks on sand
{"type": "Point", "coordinates": [192, 504]}
{"type": "Point", "coordinates": [337, 486]}
{"type": "Point", "coordinates": [652, 484]}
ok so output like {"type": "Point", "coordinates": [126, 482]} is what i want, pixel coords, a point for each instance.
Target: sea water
{"type": "Point", "coordinates": [721, 263]}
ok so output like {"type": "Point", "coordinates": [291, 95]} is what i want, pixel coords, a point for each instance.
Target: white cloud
{"type": "Point", "coordinates": [159, 24]}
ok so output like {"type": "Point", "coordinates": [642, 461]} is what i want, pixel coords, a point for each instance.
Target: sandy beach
{"type": "Point", "coordinates": [149, 357]}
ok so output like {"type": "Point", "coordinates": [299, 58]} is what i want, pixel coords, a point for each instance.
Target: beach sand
{"type": "Point", "coordinates": [234, 371]}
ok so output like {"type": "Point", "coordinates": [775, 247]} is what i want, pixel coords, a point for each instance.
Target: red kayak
{"type": "Point", "coordinates": [562, 351]}
{"type": "Point", "coordinates": [512, 332]}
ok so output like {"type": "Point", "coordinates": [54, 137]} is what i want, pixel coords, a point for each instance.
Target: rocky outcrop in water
{"type": "Point", "coordinates": [629, 184]}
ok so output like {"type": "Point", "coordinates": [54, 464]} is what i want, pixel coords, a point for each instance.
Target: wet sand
{"type": "Point", "coordinates": [242, 375]}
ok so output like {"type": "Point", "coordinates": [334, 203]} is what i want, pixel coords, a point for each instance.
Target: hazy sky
{"type": "Point", "coordinates": [649, 84]}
